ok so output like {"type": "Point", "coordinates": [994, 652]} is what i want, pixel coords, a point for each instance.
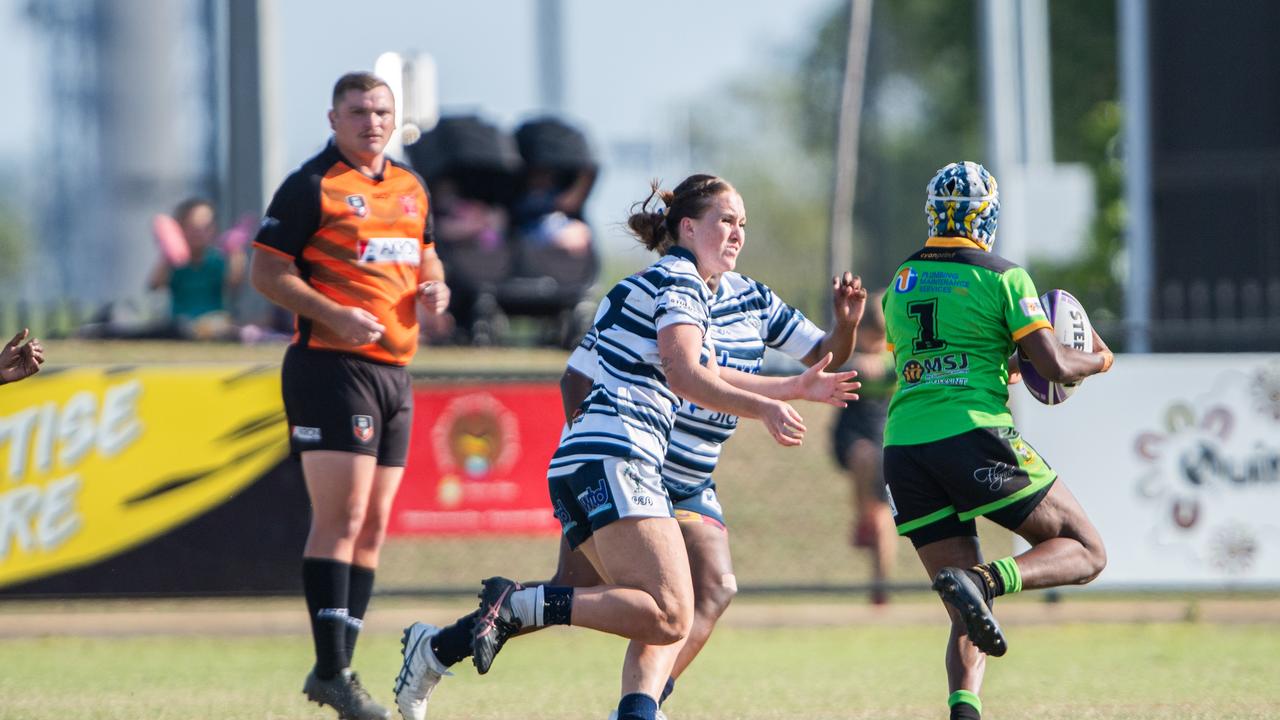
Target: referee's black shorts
{"type": "Point", "coordinates": [336, 401]}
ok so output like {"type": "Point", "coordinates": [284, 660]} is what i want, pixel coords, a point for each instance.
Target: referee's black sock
{"type": "Point", "coordinates": [359, 590]}
{"type": "Point", "coordinates": [453, 643]}
{"type": "Point", "coordinates": [325, 583]}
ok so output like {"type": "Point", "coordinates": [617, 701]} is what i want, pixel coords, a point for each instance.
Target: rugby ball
{"type": "Point", "coordinates": [1071, 326]}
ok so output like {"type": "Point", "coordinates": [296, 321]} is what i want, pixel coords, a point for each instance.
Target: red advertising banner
{"type": "Point", "coordinates": [478, 460]}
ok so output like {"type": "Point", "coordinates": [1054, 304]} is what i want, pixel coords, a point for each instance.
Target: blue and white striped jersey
{"type": "Point", "coordinates": [630, 409]}
{"type": "Point", "coordinates": [745, 317]}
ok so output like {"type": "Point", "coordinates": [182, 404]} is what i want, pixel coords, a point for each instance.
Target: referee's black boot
{"type": "Point", "coordinates": [344, 693]}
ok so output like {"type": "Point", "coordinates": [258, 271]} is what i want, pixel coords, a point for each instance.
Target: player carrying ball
{"type": "Point", "coordinates": [954, 313]}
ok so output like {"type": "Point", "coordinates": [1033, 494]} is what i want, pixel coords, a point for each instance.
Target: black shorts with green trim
{"type": "Point", "coordinates": [937, 488]}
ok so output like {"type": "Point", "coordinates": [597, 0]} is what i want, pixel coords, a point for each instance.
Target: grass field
{"type": "Point", "coordinates": [1103, 671]}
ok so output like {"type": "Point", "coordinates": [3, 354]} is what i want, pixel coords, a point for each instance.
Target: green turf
{"type": "Point", "coordinates": [1154, 671]}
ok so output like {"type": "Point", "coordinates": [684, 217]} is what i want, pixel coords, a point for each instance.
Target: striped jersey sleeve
{"type": "Point", "coordinates": [746, 317]}
{"type": "Point", "coordinates": [787, 329]}
{"type": "Point", "coordinates": [630, 409]}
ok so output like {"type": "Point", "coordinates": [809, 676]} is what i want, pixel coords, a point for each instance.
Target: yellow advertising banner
{"type": "Point", "coordinates": [94, 461]}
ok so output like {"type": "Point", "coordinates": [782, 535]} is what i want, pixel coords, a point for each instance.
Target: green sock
{"type": "Point", "coordinates": [1010, 574]}
{"type": "Point", "coordinates": [964, 705]}
{"type": "Point", "coordinates": [1001, 577]}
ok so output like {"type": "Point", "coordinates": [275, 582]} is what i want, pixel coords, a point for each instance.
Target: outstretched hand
{"type": "Point", "coordinates": [848, 299]}
{"type": "Point", "coordinates": [19, 360]}
{"type": "Point", "coordinates": [784, 424]}
{"type": "Point", "coordinates": [817, 385]}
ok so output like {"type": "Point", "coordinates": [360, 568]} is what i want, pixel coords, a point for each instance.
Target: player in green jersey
{"type": "Point", "coordinates": [953, 315]}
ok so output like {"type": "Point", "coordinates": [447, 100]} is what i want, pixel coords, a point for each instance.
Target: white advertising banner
{"type": "Point", "coordinates": [1176, 459]}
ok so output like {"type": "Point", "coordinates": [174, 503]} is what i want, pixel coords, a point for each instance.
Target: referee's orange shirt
{"type": "Point", "coordinates": [358, 241]}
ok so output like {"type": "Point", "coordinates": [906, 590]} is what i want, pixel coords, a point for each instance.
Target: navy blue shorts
{"type": "Point", "coordinates": [589, 495]}
{"type": "Point", "coordinates": [702, 502]}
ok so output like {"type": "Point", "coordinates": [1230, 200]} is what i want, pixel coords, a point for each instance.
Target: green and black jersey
{"type": "Point", "coordinates": [952, 315]}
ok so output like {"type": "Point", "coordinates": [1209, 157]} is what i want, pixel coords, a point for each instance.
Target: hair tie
{"type": "Point", "coordinates": [662, 212]}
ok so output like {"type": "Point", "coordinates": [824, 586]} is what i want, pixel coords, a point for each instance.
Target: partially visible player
{"type": "Point", "coordinates": [746, 317]}
{"type": "Point", "coordinates": [953, 316]}
{"type": "Point", "coordinates": [20, 358]}
{"type": "Point", "coordinates": [347, 246]}
{"type": "Point", "coordinates": [651, 347]}
{"type": "Point", "coordinates": [858, 442]}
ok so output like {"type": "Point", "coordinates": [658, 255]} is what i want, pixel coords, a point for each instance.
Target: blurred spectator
{"type": "Point", "coordinates": [20, 359]}
{"type": "Point", "coordinates": [470, 167]}
{"type": "Point", "coordinates": [467, 220]}
{"type": "Point", "coordinates": [509, 226]}
{"type": "Point", "coordinates": [858, 439]}
{"type": "Point", "coordinates": [555, 264]}
{"type": "Point", "coordinates": [549, 212]}
{"type": "Point", "coordinates": [559, 172]}
{"type": "Point", "coordinates": [201, 275]}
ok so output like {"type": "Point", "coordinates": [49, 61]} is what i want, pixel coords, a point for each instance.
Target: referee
{"type": "Point", "coordinates": [346, 245]}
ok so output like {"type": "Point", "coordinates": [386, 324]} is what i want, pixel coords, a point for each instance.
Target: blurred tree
{"type": "Point", "coordinates": [12, 244]}
{"type": "Point", "coordinates": [746, 134]}
{"type": "Point", "coordinates": [773, 136]}
{"type": "Point", "coordinates": [921, 111]}
{"type": "Point", "coordinates": [1096, 277]}
{"type": "Point", "coordinates": [1087, 128]}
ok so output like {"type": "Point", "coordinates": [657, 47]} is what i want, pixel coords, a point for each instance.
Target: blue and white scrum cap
{"type": "Point", "coordinates": [963, 201]}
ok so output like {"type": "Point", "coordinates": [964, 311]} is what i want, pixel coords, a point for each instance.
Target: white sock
{"type": "Point", "coordinates": [527, 604]}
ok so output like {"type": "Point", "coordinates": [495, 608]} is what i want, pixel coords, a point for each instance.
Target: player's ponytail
{"type": "Point", "coordinates": [655, 221]}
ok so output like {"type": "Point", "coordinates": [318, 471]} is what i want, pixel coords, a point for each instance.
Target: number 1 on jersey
{"type": "Point", "coordinates": [926, 313]}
